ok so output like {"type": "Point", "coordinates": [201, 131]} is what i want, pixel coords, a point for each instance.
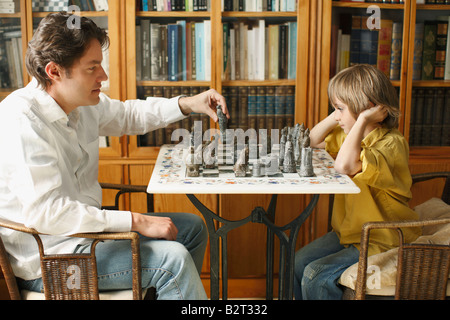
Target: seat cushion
{"type": "Point", "coordinates": [386, 262]}
{"type": "Point", "coordinates": [109, 295]}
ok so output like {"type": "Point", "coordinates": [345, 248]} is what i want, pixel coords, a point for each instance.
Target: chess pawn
{"type": "Point", "coordinates": [306, 166]}
{"type": "Point", "coordinates": [241, 165]}
{"type": "Point", "coordinates": [192, 166]}
{"type": "Point", "coordinates": [257, 169]}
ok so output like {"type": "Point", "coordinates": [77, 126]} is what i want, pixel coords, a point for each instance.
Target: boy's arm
{"type": "Point", "coordinates": [348, 160]}
{"type": "Point", "coordinates": [321, 130]}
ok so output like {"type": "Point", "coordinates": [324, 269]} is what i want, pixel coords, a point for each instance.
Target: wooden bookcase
{"type": "Point", "coordinates": [422, 158]}
{"type": "Point", "coordinates": [126, 161]}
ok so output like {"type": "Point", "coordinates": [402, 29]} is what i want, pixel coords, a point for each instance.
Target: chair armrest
{"type": "Point", "coordinates": [132, 236]}
{"type": "Point", "coordinates": [360, 287]}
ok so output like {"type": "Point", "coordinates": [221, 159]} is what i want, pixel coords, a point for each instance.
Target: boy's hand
{"type": "Point", "coordinates": [375, 114]}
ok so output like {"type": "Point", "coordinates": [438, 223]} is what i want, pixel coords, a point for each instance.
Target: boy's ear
{"type": "Point", "coordinates": [53, 71]}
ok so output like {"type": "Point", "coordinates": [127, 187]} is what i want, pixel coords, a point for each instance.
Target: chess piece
{"type": "Point", "coordinates": [257, 170]}
{"type": "Point", "coordinates": [272, 165]}
{"type": "Point", "coordinates": [222, 123]}
{"type": "Point", "coordinates": [241, 165]}
{"type": "Point", "coordinates": [282, 145]}
{"type": "Point", "coordinates": [289, 165]}
{"type": "Point", "coordinates": [306, 166]}
{"type": "Point", "coordinates": [210, 152]}
{"type": "Point", "coordinates": [192, 165]}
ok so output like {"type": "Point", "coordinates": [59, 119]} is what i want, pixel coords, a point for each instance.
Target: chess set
{"type": "Point", "coordinates": [227, 156]}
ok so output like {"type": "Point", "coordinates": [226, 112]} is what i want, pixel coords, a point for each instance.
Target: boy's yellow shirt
{"type": "Point", "coordinates": [385, 183]}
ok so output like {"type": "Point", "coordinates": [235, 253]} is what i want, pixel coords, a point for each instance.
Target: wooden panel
{"type": "Point", "coordinates": [111, 174]}
{"type": "Point", "coordinates": [140, 174]}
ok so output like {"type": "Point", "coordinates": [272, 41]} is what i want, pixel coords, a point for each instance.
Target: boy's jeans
{"type": "Point", "coordinates": [318, 267]}
{"type": "Point", "coordinates": [172, 267]}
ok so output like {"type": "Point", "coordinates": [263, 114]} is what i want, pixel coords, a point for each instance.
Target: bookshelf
{"type": "Point", "coordinates": [13, 25]}
{"type": "Point", "coordinates": [411, 91]}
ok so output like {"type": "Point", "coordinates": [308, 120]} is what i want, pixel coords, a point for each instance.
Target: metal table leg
{"type": "Point", "coordinates": [258, 215]}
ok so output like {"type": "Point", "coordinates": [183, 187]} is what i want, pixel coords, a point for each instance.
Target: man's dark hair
{"type": "Point", "coordinates": [57, 40]}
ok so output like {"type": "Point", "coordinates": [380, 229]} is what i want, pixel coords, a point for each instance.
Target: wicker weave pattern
{"type": "Point", "coordinates": [71, 277]}
{"type": "Point", "coordinates": [423, 270]}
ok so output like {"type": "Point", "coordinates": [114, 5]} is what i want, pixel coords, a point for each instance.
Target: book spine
{"type": "Point", "coordinates": [441, 48]}
{"type": "Point", "coordinates": [396, 51]}
{"type": "Point", "coordinates": [384, 46]}
{"type": "Point", "coordinates": [429, 50]}
{"type": "Point", "coordinates": [418, 51]}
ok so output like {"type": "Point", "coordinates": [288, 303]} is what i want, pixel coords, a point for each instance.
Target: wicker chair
{"type": "Point", "coordinates": [422, 268]}
{"type": "Point", "coordinates": [59, 271]}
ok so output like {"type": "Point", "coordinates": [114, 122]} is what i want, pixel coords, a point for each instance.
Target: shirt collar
{"type": "Point", "coordinates": [374, 136]}
{"type": "Point", "coordinates": [46, 105]}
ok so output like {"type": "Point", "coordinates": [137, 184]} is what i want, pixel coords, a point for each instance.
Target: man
{"type": "Point", "coordinates": [49, 132]}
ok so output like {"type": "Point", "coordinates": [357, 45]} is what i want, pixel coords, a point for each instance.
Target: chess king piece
{"type": "Point", "coordinates": [192, 165]}
{"type": "Point", "coordinates": [222, 123]}
{"type": "Point", "coordinates": [306, 166]}
{"type": "Point", "coordinates": [241, 165]}
{"type": "Point", "coordinates": [289, 164]}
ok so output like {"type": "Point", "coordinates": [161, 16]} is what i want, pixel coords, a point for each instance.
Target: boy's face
{"type": "Point", "coordinates": [80, 85]}
{"type": "Point", "coordinates": [344, 116]}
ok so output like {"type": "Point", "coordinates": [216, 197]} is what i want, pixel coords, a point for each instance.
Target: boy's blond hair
{"type": "Point", "coordinates": [361, 84]}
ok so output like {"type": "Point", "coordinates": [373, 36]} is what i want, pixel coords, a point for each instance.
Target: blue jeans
{"type": "Point", "coordinates": [172, 267]}
{"type": "Point", "coordinates": [318, 267]}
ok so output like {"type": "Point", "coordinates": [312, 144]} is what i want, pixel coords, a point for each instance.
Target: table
{"type": "Point", "coordinates": [169, 177]}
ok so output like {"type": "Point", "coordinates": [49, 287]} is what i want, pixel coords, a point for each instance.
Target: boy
{"type": "Point", "coordinates": [361, 134]}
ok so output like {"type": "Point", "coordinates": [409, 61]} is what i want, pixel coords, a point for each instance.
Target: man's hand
{"type": "Point", "coordinates": [205, 102]}
{"type": "Point", "coordinates": [154, 227]}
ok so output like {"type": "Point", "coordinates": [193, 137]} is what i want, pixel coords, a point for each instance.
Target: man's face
{"type": "Point", "coordinates": [80, 85]}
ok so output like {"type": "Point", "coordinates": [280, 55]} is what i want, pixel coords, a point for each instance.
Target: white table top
{"type": "Point", "coordinates": [169, 177]}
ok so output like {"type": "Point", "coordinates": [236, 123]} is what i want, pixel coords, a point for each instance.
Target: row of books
{"type": "Point", "coordinates": [173, 5]}
{"type": "Point", "coordinates": [256, 51]}
{"type": "Point", "coordinates": [430, 117]}
{"type": "Point", "coordinates": [263, 107]}
{"type": "Point", "coordinates": [432, 50]}
{"type": "Point", "coordinates": [63, 5]}
{"type": "Point", "coordinates": [260, 107]}
{"type": "Point", "coordinates": [175, 51]}
{"type": "Point", "coordinates": [259, 5]}
{"type": "Point", "coordinates": [11, 66]}
{"type": "Point", "coordinates": [355, 41]}
{"type": "Point", "coordinates": [9, 6]}
{"type": "Point", "coordinates": [379, 1]}
{"type": "Point", "coordinates": [227, 5]}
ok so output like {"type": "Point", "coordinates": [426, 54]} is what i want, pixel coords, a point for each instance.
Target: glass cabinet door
{"type": "Point", "coordinates": [428, 119]}
{"type": "Point", "coordinates": [105, 13]}
{"type": "Point", "coordinates": [169, 54]}
{"type": "Point", "coordinates": [13, 74]}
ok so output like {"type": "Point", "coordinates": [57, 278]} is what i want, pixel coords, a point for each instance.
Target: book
{"type": "Point", "coordinates": [429, 50]}
{"type": "Point", "coordinates": [418, 51]}
{"type": "Point", "coordinates": [396, 51]}
{"type": "Point", "coordinates": [384, 46]}
{"type": "Point", "coordinates": [441, 49]}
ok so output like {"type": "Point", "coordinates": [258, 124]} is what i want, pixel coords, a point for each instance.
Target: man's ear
{"type": "Point", "coordinates": [53, 71]}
